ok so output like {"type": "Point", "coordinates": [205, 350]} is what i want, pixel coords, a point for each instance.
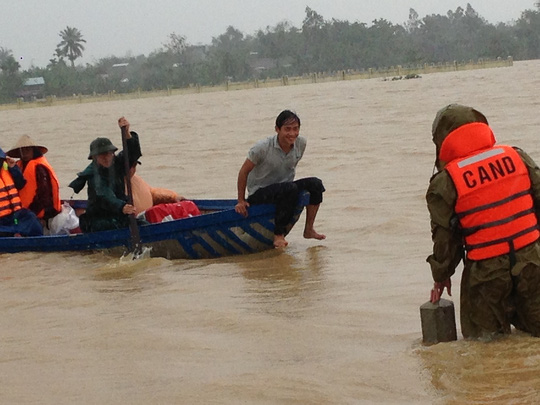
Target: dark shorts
{"type": "Point", "coordinates": [285, 197]}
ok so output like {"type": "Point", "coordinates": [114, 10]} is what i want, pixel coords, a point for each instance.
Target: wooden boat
{"type": "Point", "coordinates": [218, 231]}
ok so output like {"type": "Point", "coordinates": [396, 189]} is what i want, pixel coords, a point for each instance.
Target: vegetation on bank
{"type": "Point", "coordinates": [276, 52]}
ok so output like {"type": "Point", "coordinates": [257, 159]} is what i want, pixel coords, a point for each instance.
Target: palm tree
{"type": "Point", "coordinates": [71, 44]}
{"type": "Point", "coordinates": [4, 54]}
{"type": "Point", "coordinates": [9, 66]}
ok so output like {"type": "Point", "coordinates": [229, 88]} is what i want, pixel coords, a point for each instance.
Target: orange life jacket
{"type": "Point", "coordinates": [29, 191]}
{"type": "Point", "coordinates": [9, 196]}
{"type": "Point", "coordinates": [495, 207]}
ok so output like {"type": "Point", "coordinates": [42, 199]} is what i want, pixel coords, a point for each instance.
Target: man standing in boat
{"type": "Point", "coordinates": [268, 174]}
{"type": "Point", "coordinates": [483, 203]}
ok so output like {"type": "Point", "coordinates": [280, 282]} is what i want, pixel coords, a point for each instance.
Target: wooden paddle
{"type": "Point", "coordinates": [135, 245]}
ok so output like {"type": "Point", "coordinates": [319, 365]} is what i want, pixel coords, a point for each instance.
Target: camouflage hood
{"type": "Point", "coordinates": [450, 118]}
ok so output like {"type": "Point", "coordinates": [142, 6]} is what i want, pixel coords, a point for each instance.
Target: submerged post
{"type": "Point", "coordinates": [438, 322]}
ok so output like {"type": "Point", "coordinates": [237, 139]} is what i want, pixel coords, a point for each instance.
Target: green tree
{"type": "Point", "coordinates": [10, 78]}
{"type": "Point", "coordinates": [71, 45]}
{"type": "Point", "coordinates": [414, 23]}
{"type": "Point", "coordinates": [178, 57]}
{"type": "Point", "coordinates": [229, 56]}
{"type": "Point", "coordinates": [528, 33]}
{"type": "Point", "coordinates": [5, 53]}
{"type": "Point", "coordinates": [313, 20]}
{"type": "Point", "coordinates": [317, 46]}
{"type": "Point", "coordinates": [279, 43]}
{"type": "Point", "coordinates": [9, 66]}
{"type": "Point", "coordinates": [315, 39]}
{"type": "Point", "coordinates": [176, 45]}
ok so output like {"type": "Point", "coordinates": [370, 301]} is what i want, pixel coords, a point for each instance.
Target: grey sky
{"type": "Point", "coordinates": [118, 27]}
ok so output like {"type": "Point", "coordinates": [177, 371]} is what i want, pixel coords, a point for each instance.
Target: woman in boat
{"type": "Point", "coordinates": [156, 204]}
{"type": "Point", "coordinates": [268, 173]}
{"type": "Point", "coordinates": [145, 196]}
{"type": "Point", "coordinates": [41, 193]}
{"type": "Point", "coordinates": [14, 219]}
{"type": "Point", "coordinates": [107, 200]}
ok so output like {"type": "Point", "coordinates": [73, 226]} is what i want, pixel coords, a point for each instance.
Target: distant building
{"type": "Point", "coordinates": [118, 72]}
{"type": "Point", "coordinates": [119, 69]}
{"type": "Point", "coordinates": [120, 65]}
{"type": "Point", "coordinates": [32, 88]}
{"type": "Point", "coordinates": [259, 65]}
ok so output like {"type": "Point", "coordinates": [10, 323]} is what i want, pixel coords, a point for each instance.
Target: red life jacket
{"type": "Point", "coordinates": [9, 197]}
{"type": "Point", "coordinates": [494, 205]}
{"type": "Point", "coordinates": [29, 191]}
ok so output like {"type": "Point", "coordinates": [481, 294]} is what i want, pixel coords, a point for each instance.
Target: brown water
{"type": "Point", "coordinates": [331, 322]}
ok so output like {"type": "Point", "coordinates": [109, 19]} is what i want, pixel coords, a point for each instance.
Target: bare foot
{"type": "Point", "coordinates": [312, 234]}
{"type": "Point", "coordinates": [279, 241]}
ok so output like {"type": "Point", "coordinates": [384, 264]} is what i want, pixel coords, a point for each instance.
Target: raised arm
{"type": "Point", "coordinates": [123, 122]}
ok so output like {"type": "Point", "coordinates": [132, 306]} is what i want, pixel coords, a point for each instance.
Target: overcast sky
{"type": "Point", "coordinates": [30, 28]}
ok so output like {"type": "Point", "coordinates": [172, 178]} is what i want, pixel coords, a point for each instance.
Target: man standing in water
{"type": "Point", "coordinates": [268, 173]}
{"type": "Point", "coordinates": [483, 204]}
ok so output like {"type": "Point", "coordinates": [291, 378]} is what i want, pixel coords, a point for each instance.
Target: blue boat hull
{"type": "Point", "coordinates": [218, 232]}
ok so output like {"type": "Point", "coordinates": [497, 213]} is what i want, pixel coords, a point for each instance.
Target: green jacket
{"type": "Point", "coordinates": [448, 248]}
{"type": "Point", "coordinates": [106, 190]}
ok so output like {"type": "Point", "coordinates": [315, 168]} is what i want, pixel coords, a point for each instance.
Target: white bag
{"type": "Point", "coordinates": [64, 222]}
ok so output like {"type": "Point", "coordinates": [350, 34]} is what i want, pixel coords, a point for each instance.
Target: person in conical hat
{"type": "Point", "coordinates": [41, 194]}
{"type": "Point", "coordinates": [26, 144]}
{"type": "Point", "coordinates": [484, 204]}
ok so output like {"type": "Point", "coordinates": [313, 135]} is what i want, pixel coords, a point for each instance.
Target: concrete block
{"type": "Point", "coordinates": [438, 322]}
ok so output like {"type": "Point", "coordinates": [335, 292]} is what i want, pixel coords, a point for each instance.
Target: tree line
{"type": "Point", "coordinates": [319, 45]}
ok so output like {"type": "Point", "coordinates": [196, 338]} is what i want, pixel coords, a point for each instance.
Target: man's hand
{"type": "Point", "coordinates": [128, 209]}
{"type": "Point", "coordinates": [242, 207]}
{"type": "Point", "coordinates": [123, 122]}
{"type": "Point", "coordinates": [10, 161]}
{"type": "Point", "coordinates": [438, 289]}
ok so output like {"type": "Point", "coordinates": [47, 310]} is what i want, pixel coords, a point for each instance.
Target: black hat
{"type": "Point", "coordinates": [101, 145]}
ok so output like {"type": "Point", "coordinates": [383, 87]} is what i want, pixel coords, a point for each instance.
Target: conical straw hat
{"type": "Point", "coordinates": [24, 142]}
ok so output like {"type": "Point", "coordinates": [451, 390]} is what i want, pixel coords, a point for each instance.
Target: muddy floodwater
{"type": "Point", "coordinates": [319, 322]}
